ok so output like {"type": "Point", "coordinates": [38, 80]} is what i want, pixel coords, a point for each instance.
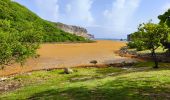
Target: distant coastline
{"type": "Point", "coordinates": [110, 39]}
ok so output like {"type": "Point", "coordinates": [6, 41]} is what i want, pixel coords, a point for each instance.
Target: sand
{"type": "Point", "coordinates": [70, 55]}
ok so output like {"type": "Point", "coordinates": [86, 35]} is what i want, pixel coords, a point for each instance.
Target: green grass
{"type": "Point", "coordinates": [94, 84]}
{"type": "Point", "coordinates": [151, 64]}
{"type": "Point", "coordinates": [159, 50]}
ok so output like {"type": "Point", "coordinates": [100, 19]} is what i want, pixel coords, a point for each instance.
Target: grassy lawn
{"type": "Point", "coordinates": [159, 50]}
{"type": "Point", "coordinates": [137, 83]}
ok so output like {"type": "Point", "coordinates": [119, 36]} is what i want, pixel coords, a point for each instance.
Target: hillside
{"type": "Point", "coordinates": [18, 19]}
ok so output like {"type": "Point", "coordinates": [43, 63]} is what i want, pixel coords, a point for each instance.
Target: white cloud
{"type": "Point", "coordinates": [166, 7]}
{"type": "Point", "coordinates": [48, 9]}
{"type": "Point", "coordinates": [78, 12]}
{"type": "Point", "coordinates": [120, 15]}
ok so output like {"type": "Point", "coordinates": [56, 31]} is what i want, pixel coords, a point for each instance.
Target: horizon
{"type": "Point", "coordinates": [104, 19]}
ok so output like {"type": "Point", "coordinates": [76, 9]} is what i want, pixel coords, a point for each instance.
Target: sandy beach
{"type": "Point", "coordinates": [71, 55]}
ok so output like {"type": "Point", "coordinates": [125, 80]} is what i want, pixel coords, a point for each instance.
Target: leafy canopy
{"type": "Point", "coordinates": [165, 19]}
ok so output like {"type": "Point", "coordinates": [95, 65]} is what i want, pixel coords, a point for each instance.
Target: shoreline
{"type": "Point", "coordinates": [120, 65]}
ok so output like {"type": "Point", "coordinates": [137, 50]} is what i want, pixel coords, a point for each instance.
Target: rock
{"type": "Point", "coordinates": [94, 62]}
{"type": "Point", "coordinates": [29, 74]}
{"type": "Point", "coordinates": [3, 79]}
{"type": "Point", "coordinates": [125, 68]}
{"type": "Point", "coordinates": [68, 71]}
{"type": "Point", "coordinates": [79, 31]}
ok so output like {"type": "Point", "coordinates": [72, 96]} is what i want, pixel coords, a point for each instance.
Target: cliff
{"type": "Point", "coordinates": [79, 31]}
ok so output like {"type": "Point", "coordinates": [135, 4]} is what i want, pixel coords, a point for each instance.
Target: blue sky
{"type": "Point", "coordinates": [102, 18]}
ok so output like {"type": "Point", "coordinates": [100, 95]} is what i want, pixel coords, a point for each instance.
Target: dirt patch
{"type": "Point", "coordinates": [70, 55]}
{"type": "Point", "coordinates": [8, 85]}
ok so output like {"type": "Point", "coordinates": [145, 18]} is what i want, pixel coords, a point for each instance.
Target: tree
{"type": "Point", "coordinates": [17, 47]}
{"type": "Point", "coordinates": [150, 36]}
{"type": "Point", "coordinates": [165, 20]}
{"type": "Point", "coordinates": [165, 41]}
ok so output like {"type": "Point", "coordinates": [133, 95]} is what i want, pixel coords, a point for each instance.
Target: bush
{"type": "Point", "coordinates": [131, 45]}
{"type": "Point", "coordinates": [15, 47]}
{"type": "Point", "coordinates": [136, 44]}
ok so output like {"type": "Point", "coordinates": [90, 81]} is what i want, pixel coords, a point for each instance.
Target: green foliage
{"type": "Point", "coordinates": [165, 19]}
{"type": "Point", "coordinates": [17, 47]}
{"type": "Point", "coordinates": [18, 39]}
{"type": "Point", "coordinates": [136, 44]}
{"type": "Point", "coordinates": [150, 34]}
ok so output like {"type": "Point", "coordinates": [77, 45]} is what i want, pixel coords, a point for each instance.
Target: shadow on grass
{"type": "Point", "coordinates": [119, 89]}
{"type": "Point", "coordinates": [102, 73]}
{"type": "Point", "coordinates": [151, 64]}
{"type": "Point", "coordinates": [109, 70]}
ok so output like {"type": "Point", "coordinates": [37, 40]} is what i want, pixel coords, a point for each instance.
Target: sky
{"type": "Point", "coordinates": [102, 18]}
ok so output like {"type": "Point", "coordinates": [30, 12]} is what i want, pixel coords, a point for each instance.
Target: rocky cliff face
{"type": "Point", "coordinates": [79, 31]}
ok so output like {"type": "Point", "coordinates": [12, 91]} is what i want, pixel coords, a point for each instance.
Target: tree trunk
{"type": "Point", "coordinates": [168, 52]}
{"type": "Point", "coordinates": [155, 58]}
{"type": "Point", "coordinates": [2, 67]}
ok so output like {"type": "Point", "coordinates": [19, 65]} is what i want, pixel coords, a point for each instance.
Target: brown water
{"type": "Point", "coordinates": [70, 55]}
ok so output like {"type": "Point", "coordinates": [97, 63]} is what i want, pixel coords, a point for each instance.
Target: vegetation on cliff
{"type": "Point", "coordinates": [21, 19]}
